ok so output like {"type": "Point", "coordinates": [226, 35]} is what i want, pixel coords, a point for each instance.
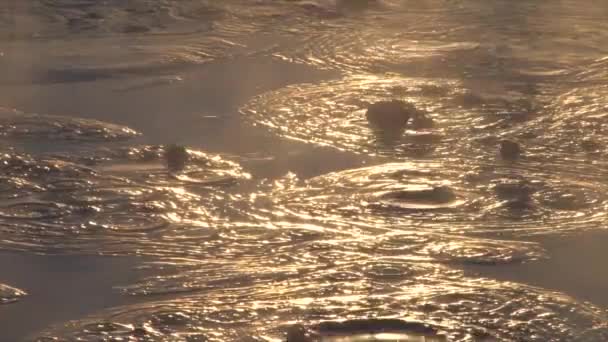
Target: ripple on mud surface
{"type": "Point", "coordinates": [437, 303]}
{"type": "Point", "coordinates": [30, 210]}
{"type": "Point", "coordinates": [98, 195]}
{"type": "Point", "coordinates": [9, 294]}
{"type": "Point", "coordinates": [58, 18]}
{"type": "Point", "coordinates": [352, 50]}
{"type": "Point", "coordinates": [295, 19]}
{"type": "Point", "coordinates": [462, 38]}
{"type": "Point", "coordinates": [516, 198]}
{"type": "Point", "coordinates": [23, 168]}
{"type": "Point", "coordinates": [154, 40]}
{"type": "Point", "coordinates": [334, 114]}
{"type": "Point", "coordinates": [575, 128]}
{"type": "Point", "coordinates": [155, 59]}
{"type": "Point", "coordinates": [149, 163]}
{"type": "Point", "coordinates": [248, 256]}
{"type": "Point", "coordinates": [48, 18]}
{"type": "Point", "coordinates": [14, 187]}
{"type": "Point", "coordinates": [232, 251]}
{"type": "Point", "coordinates": [117, 204]}
{"type": "Point", "coordinates": [18, 125]}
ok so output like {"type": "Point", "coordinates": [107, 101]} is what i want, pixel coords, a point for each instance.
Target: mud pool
{"type": "Point", "coordinates": [283, 214]}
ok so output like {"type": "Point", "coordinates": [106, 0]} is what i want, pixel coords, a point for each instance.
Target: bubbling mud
{"type": "Point", "coordinates": [334, 114]}
{"type": "Point", "coordinates": [373, 253]}
{"type": "Point", "coordinates": [124, 201]}
{"type": "Point", "coordinates": [574, 130]}
{"type": "Point", "coordinates": [462, 39]}
{"type": "Point", "coordinates": [434, 196]}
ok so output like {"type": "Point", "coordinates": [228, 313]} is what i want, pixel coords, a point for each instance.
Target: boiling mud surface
{"type": "Point", "coordinates": [293, 217]}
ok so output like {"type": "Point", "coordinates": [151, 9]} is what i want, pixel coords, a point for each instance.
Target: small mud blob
{"type": "Point", "coordinates": [10, 294]}
{"type": "Point", "coordinates": [509, 189]}
{"type": "Point", "coordinates": [390, 115]}
{"type": "Point", "coordinates": [510, 150]}
{"type": "Point", "coordinates": [176, 157]}
{"type": "Point", "coordinates": [422, 197]}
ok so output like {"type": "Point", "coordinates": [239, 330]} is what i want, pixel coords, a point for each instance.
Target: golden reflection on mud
{"type": "Point", "coordinates": [333, 113]}
{"type": "Point", "coordinates": [372, 252]}
{"type": "Point", "coordinates": [437, 196]}
{"type": "Point", "coordinates": [123, 201]}
{"type": "Point", "coordinates": [10, 294]}
{"type": "Point", "coordinates": [431, 301]}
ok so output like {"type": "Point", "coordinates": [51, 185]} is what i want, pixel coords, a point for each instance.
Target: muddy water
{"type": "Point", "coordinates": [287, 215]}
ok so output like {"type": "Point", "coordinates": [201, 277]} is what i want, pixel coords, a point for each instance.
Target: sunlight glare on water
{"type": "Point", "coordinates": [475, 129]}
